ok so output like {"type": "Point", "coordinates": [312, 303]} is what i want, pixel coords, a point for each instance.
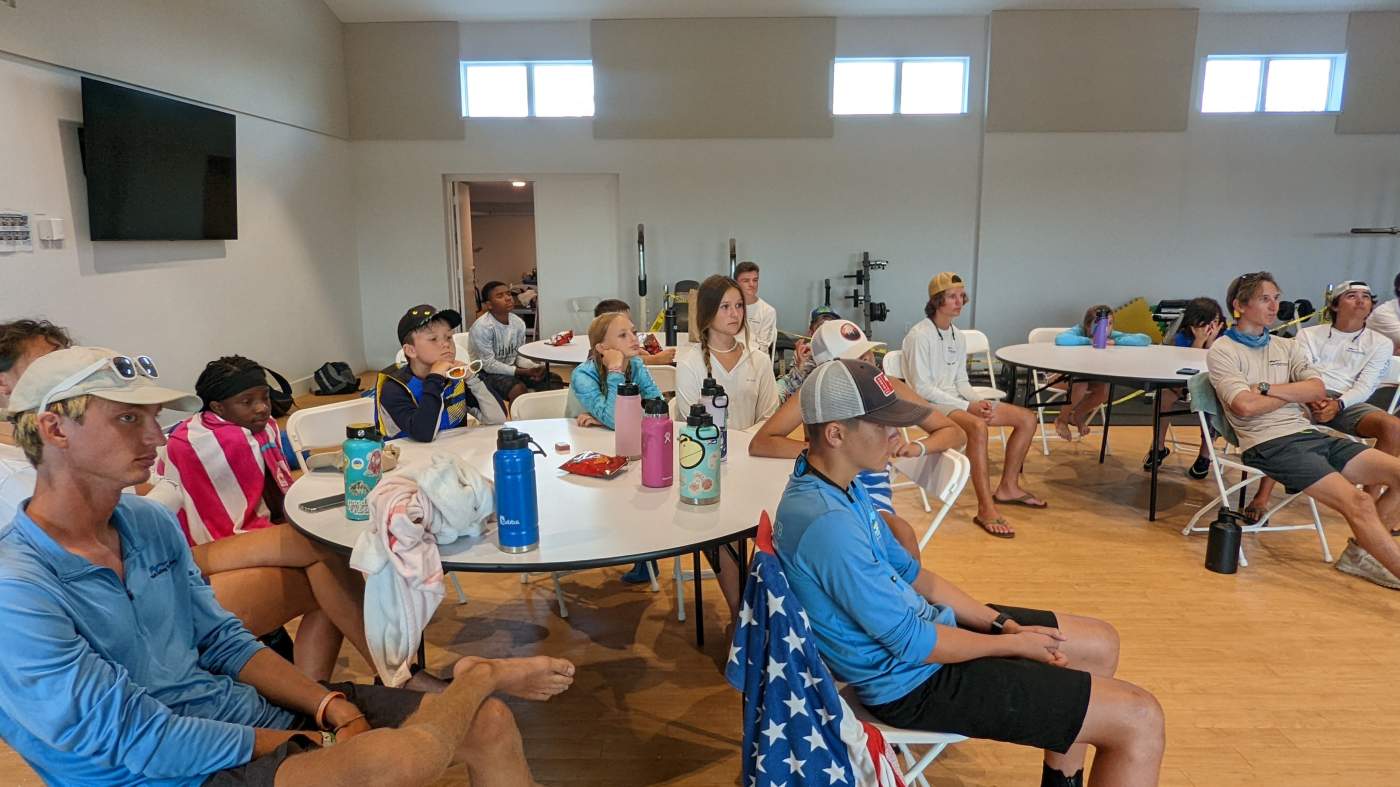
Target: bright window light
{"type": "Point", "coordinates": [863, 87]}
{"type": "Point", "coordinates": [563, 90]}
{"type": "Point", "coordinates": [1298, 85]}
{"type": "Point", "coordinates": [1232, 85]}
{"type": "Point", "coordinates": [933, 87]}
{"type": "Point", "coordinates": [496, 91]}
{"type": "Point", "coordinates": [1273, 83]}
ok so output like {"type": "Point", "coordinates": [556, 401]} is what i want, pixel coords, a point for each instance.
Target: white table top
{"type": "Point", "coordinates": [576, 351]}
{"type": "Point", "coordinates": [1153, 364]}
{"type": "Point", "coordinates": [584, 522]}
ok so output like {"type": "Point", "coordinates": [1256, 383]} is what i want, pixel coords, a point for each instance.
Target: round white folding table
{"type": "Point", "coordinates": [576, 351]}
{"type": "Point", "coordinates": [1146, 368]}
{"type": "Point", "coordinates": [584, 522]}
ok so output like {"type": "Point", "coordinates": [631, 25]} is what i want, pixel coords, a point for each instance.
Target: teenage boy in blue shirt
{"type": "Point", "coordinates": [920, 652]}
{"type": "Point", "coordinates": [121, 668]}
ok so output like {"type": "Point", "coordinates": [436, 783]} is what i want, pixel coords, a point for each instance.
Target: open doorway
{"type": "Point", "coordinates": [496, 241]}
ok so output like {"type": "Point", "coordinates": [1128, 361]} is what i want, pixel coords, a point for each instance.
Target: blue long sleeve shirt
{"type": "Point", "coordinates": [1074, 337]}
{"type": "Point", "coordinates": [598, 402]}
{"type": "Point", "coordinates": [874, 630]}
{"type": "Point", "coordinates": [112, 682]}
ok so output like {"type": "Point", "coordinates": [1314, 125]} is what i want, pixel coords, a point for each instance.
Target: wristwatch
{"type": "Point", "coordinates": [999, 625]}
{"type": "Point", "coordinates": [1263, 389]}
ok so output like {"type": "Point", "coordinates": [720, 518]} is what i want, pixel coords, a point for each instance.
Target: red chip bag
{"type": "Point", "coordinates": [594, 464]}
{"type": "Point", "coordinates": [562, 338]}
{"type": "Point", "coordinates": [650, 344]}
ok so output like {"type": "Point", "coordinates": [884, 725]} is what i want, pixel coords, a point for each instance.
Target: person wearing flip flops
{"type": "Point", "coordinates": [1085, 398]}
{"type": "Point", "coordinates": [1272, 395]}
{"type": "Point", "coordinates": [1201, 323]}
{"type": "Point", "coordinates": [935, 365]}
{"type": "Point", "coordinates": [1352, 358]}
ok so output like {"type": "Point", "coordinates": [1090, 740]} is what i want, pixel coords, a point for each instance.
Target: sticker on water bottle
{"type": "Point", "coordinates": [357, 464]}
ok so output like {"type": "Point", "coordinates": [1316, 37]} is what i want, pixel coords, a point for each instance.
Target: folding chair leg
{"type": "Point", "coordinates": [923, 495]}
{"type": "Point", "coordinates": [1321, 536]}
{"type": "Point", "coordinates": [1044, 438]}
{"type": "Point", "coordinates": [559, 595]}
{"type": "Point", "coordinates": [651, 573]}
{"type": "Point", "coordinates": [457, 585]}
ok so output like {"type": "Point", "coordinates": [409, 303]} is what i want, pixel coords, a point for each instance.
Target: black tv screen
{"type": "Point", "coordinates": [157, 169]}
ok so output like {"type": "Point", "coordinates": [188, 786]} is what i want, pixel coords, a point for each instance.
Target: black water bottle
{"type": "Point", "coordinates": [669, 320]}
{"type": "Point", "coordinates": [1223, 543]}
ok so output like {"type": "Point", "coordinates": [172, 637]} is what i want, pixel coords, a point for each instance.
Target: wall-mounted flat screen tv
{"type": "Point", "coordinates": [157, 169]}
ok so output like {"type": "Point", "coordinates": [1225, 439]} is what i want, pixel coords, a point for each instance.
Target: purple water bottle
{"type": "Point", "coordinates": [1101, 329]}
{"type": "Point", "coordinates": [658, 445]}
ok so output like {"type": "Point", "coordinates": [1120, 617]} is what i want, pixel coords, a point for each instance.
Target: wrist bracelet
{"type": "Point", "coordinates": [320, 716]}
{"type": "Point", "coordinates": [923, 449]}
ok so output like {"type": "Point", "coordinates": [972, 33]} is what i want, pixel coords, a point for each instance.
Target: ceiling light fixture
{"type": "Point", "coordinates": [520, 184]}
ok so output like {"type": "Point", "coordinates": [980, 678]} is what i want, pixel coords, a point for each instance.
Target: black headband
{"type": "Point", "coordinates": [230, 385]}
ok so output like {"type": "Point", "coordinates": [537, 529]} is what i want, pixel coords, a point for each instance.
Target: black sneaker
{"type": "Point", "coordinates": [1199, 469]}
{"type": "Point", "coordinates": [1162, 454]}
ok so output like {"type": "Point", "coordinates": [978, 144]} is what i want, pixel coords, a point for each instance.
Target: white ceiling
{"type": "Point", "coordinates": [553, 10]}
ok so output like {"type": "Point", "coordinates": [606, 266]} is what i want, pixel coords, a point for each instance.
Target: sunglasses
{"type": "Point", "coordinates": [124, 366]}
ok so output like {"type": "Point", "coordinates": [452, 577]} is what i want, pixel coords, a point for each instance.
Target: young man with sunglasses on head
{"type": "Point", "coordinates": [1352, 359]}
{"type": "Point", "coordinates": [1271, 395]}
{"type": "Point", "coordinates": [920, 652]}
{"type": "Point", "coordinates": [122, 668]}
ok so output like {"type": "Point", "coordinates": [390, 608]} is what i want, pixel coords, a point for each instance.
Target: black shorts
{"type": "Point", "coordinates": [1001, 699]}
{"type": "Point", "coordinates": [382, 706]}
{"type": "Point", "coordinates": [501, 384]}
{"type": "Point", "coordinates": [1300, 460]}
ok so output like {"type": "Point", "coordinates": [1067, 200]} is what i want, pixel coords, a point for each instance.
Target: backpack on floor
{"type": "Point", "coordinates": [335, 377]}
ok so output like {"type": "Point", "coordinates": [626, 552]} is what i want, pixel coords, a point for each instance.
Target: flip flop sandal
{"type": "Point", "coordinates": [1252, 514]}
{"type": "Point", "coordinates": [987, 526]}
{"type": "Point", "coordinates": [1023, 500]}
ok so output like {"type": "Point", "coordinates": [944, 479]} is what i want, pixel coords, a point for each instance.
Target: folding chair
{"type": "Point", "coordinates": [664, 376]}
{"type": "Point", "coordinates": [1038, 381]}
{"type": "Point", "coordinates": [902, 740]}
{"type": "Point", "coordinates": [945, 477]}
{"type": "Point", "coordinates": [1208, 410]}
{"type": "Point", "coordinates": [316, 427]}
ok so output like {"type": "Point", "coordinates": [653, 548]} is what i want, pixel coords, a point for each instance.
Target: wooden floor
{"type": "Point", "coordinates": [1276, 675]}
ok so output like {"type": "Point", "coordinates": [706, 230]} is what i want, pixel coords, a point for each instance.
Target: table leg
{"type": "Point", "coordinates": [699, 610]}
{"type": "Point", "coordinates": [1011, 383]}
{"type": "Point", "coordinates": [1107, 418]}
{"type": "Point", "coordinates": [1156, 424]}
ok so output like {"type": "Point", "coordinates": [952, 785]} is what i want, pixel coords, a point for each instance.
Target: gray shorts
{"type": "Point", "coordinates": [1348, 419]}
{"type": "Point", "coordinates": [382, 706]}
{"type": "Point", "coordinates": [1300, 460]}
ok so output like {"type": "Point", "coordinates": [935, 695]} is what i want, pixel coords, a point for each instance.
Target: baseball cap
{"type": "Point", "coordinates": [421, 315]}
{"type": "Point", "coordinates": [943, 281]}
{"type": "Point", "coordinates": [96, 371]}
{"type": "Point", "coordinates": [840, 339]}
{"type": "Point", "coordinates": [823, 313]}
{"type": "Point", "coordinates": [1342, 288]}
{"type": "Point", "coordinates": [845, 389]}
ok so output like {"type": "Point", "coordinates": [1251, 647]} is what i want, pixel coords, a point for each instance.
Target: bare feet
{"type": "Point", "coordinates": [1062, 428]}
{"type": "Point", "coordinates": [529, 678]}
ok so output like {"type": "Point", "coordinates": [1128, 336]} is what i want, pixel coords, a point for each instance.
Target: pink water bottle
{"type": "Point", "coordinates": [658, 445]}
{"type": "Point", "coordinates": [627, 421]}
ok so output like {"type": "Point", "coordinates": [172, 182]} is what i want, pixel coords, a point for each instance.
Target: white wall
{"type": "Point", "coordinates": [902, 188]}
{"type": "Point", "coordinates": [507, 247]}
{"type": "Point", "coordinates": [285, 294]}
{"type": "Point", "coordinates": [1050, 223]}
{"type": "Point", "coordinates": [1073, 219]}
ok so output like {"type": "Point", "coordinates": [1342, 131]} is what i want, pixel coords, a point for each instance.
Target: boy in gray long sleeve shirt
{"type": "Point", "coordinates": [495, 339]}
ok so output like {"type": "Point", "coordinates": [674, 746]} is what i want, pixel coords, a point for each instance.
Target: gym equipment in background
{"type": "Point", "coordinates": [873, 312]}
{"type": "Point", "coordinates": [733, 257]}
{"type": "Point", "coordinates": [1375, 230]}
{"type": "Point", "coordinates": [642, 270]}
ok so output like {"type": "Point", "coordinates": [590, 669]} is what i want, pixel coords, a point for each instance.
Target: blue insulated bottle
{"type": "Point", "coordinates": [364, 453]}
{"type": "Point", "coordinates": [517, 504]}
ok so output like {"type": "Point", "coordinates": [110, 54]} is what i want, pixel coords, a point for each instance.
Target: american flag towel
{"type": "Point", "coordinates": [797, 728]}
{"type": "Point", "coordinates": [221, 468]}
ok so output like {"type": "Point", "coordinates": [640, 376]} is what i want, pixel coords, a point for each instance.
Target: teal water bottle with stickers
{"type": "Point", "coordinates": [364, 454]}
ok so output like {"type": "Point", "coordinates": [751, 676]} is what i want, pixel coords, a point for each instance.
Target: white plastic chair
{"type": "Point", "coordinates": [902, 740]}
{"type": "Point", "coordinates": [581, 311]}
{"type": "Point", "coordinates": [539, 404]}
{"type": "Point", "coordinates": [946, 477]}
{"type": "Point", "coordinates": [317, 427]}
{"type": "Point", "coordinates": [1391, 376]}
{"type": "Point", "coordinates": [664, 376]}
{"type": "Point", "coordinates": [977, 344]}
{"type": "Point", "coordinates": [1204, 404]}
{"type": "Point", "coordinates": [893, 365]}
{"type": "Point", "coordinates": [1038, 379]}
